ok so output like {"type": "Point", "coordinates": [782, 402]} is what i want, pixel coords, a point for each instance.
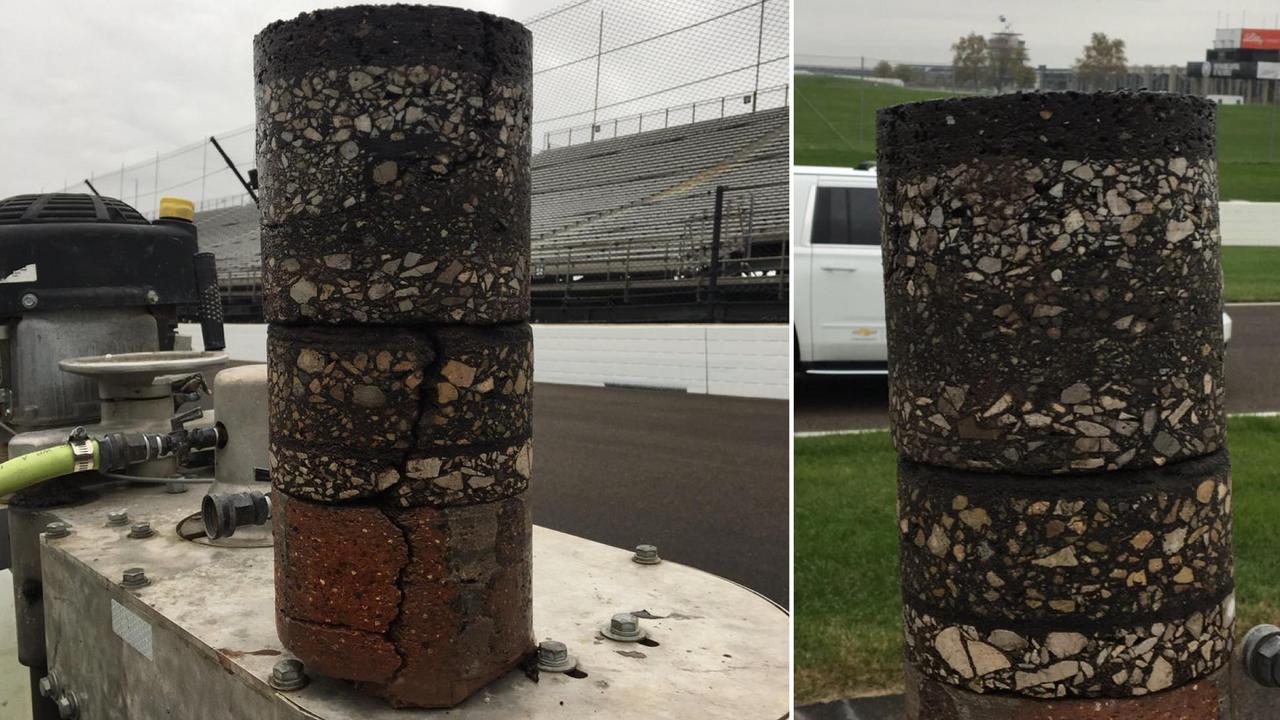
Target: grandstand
{"type": "Point", "coordinates": [623, 229]}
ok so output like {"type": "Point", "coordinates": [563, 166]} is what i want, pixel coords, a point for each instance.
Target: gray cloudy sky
{"type": "Point", "coordinates": [1156, 32]}
{"type": "Point", "coordinates": [88, 84]}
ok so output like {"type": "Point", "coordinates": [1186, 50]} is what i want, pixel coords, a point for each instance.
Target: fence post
{"type": "Point", "coordinates": [204, 170]}
{"type": "Point", "coordinates": [713, 282]}
{"type": "Point", "coordinates": [568, 277]}
{"type": "Point", "coordinates": [156, 195]}
{"type": "Point", "coordinates": [626, 274]}
{"type": "Point", "coordinates": [759, 46]}
{"type": "Point", "coordinates": [595, 102]}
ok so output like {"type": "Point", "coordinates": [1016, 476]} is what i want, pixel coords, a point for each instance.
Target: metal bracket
{"type": "Point", "coordinates": [81, 450]}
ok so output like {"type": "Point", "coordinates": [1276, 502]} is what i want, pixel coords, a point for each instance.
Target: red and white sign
{"type": "Point", "coordinates": [1260, 38]}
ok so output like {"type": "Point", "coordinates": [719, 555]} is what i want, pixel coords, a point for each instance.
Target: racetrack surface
{"type": "Point", "coordinates": [703, 477]}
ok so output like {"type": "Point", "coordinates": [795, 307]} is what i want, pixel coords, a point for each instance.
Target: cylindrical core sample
{"type": "Point", "coordinates": [422, 416]}
{"type": "Point", "coordinates": [393, 145]}
{"type": "Point", "coordinates": [393, 151]}
{"type": "Point", "coordinates": [1052, 282]}
{"type": "Point", "coordinates": [1110, 584]}
{"type": "Point", "coordinates": [424, 606]}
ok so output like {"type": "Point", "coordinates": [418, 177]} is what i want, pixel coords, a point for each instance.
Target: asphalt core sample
{"type": "Point", "coordinates": [1052, 281]}
{"type": "Point", "coordinates": [1053, 299]}
{"type": "Point", "coordinates": [393, 146]}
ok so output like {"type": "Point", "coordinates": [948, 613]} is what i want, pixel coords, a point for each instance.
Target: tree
{"type": "Point", "coordinates": [1103, 62]}
{"type": "Point", "coordinates": [1008, 61]}
{"type": "Point", "coordinates": [883, 69]}
{"type": "Point", "coordinates": [907, 74]}
{"type": "Point", "coordinates": [969, 59]}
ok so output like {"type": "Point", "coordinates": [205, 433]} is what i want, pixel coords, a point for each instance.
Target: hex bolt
{"type": "Point", "coordinates": [50, 687]}
{"type": "Point", "coordinates": [68, 706]}
{"type": "Point", "coordinates": [1261, 655]}
{"type": "Point", "coordinates": [624, 627]}
{"type": "Point", "coordinates": [135, 578]}
{"type": "Point", "coordinates": [553, 656]}
{"type": "Point", "coordinates": [175, 488]}
{"type": "Point", "coordinates": [30, 301]}
{"type": "Point", "coordinates": [646, 555]}
{"type": "Point", "coordinates": [141, 530]}
{"type": "Point", "coordinates": [116, 518]}
{"type": "Point", "coordinates": [288, 675]}
{"type": "Point", "coordinates": [57, 529]}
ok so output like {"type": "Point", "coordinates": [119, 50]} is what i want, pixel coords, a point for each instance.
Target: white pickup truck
{"type": "Point", "coordinates": [836, 273]}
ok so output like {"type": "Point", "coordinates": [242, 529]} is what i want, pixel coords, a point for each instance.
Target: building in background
{"type": "Point", "coordinates": [1243, 62]}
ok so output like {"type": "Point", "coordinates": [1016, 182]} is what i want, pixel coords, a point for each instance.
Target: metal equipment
{"type": "Point", "coordinates": [86, 282]}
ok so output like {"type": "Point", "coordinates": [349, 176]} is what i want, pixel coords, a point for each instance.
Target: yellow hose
{"type": "Point", "coordinates": [36, 467]}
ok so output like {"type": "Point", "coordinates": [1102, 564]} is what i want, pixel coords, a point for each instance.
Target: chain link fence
{"type": "Point", "coordinates": [601, 69]}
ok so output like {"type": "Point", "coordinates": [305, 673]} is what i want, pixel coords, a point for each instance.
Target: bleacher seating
{"type": "Point", "coordinates": [641, 206]}
{"type": "Point", "coordinates": [630, 215]}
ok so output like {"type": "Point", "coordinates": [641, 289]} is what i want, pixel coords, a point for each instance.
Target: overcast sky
{"type": "Point", "coordinates": [93, 83]}
{"type": "Point", "coordinates": [1156, 32]}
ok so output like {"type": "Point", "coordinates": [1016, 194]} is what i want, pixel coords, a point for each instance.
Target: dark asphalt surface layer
{"type": "Point", "coordinates": [834, 402]}
{"type": "Point", "coordinates": [703, 477]}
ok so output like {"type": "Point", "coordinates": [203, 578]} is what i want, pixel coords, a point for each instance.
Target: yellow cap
{"type": "Point", "coordinates": [172, 207]}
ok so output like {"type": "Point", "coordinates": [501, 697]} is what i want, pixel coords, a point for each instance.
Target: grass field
{"type": "Point", "coordinates": [1251, 274]}
{"type": "Point", "coordinates": [847, 624]}
{"type": "Point", "coordinates": [835, 125]}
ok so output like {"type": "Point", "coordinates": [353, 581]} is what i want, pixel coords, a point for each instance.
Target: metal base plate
{"type": "Point", "coordinates": [200, 640]}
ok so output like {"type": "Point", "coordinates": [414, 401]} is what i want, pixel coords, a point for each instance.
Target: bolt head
{"type": "Point", "coordinates": [140, 530]}
{"type": "Point", "coordinates": [153, 297]}
{"type": "Point", "coordinates": [57, 529]}
{"type": "Point", "coordinates": [67, 706]}
{"type": "Point", "coordinates": [118, 517]}
{"type": "Point", "coordinates": [48, 686]}
{"type": "Point", "coordinates": [30, 301]}
{"type": "Point", "coordinates": [288, 675]}
{"type": "Point", "coordinates": [134, 577]}
{"type": "Point", "coordinates": [646, 555]}
{"type": "Point", "coordinates": [624, 624]}
{"type": "Point", "coordinates": [552, 652]}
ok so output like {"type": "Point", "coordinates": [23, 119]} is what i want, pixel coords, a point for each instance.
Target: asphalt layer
{"type": "Point", "coordinates": [703, 477]}
{"type": "Point", "coordinates": [853, 402]}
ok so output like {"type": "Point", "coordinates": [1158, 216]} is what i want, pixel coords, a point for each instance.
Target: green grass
{"type": "Point", "coordinates": [847, 623]}
{"type": "Point", "coordinates": [835, 125]}
{"type": "Point", "coordinates": [1252, 274]}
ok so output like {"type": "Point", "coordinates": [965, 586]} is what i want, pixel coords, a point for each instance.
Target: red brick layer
{"type": "Point", "coordinates": [438, 606]}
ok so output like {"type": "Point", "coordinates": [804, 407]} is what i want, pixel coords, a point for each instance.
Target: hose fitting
{"type": "Point", "coordinates": [223, 513]}
{"type": "Point", "coordinates": [1261, 655]}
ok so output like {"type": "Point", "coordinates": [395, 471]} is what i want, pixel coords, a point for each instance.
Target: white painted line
{"type": "Point", "coordinates": [825, 433]}
{"type": "Point", "coordinates": [1268, 303]}
{"type": "Point", "coordinates": [864, 431]}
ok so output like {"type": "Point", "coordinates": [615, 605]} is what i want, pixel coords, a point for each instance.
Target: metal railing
{"type": "Point", "coordinates": [688, 113]}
